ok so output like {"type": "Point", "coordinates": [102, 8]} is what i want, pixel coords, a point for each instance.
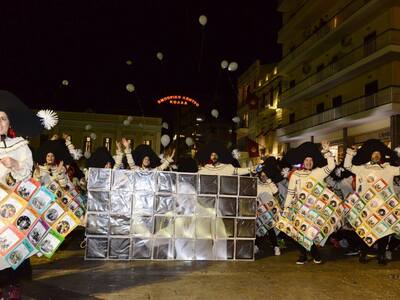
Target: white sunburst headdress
{"type": "Point", "coordinates": [48, 118]}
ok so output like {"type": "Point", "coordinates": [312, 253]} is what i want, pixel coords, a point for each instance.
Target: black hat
{"type": "Point", "coordinates": [141, 152]}
{"type": "Point", "coordinates": [204, 153]}
{"type": "Point", "coordinates": [77, 171]}
{"type": "Point", "coordinates": [188, 165]}
{"type": "Point", "coordinates": [363, 155]}
{"type": "Point", "coordinates": [100, 158]}
{"type": "Point", "coordinates": [22, 119]}
{"type": "Point", "coordinates": [58, 148]}
{"type": "Point", "coordinates": [308, 149]}
{"type": "Point", "coordinates": [271, 168]}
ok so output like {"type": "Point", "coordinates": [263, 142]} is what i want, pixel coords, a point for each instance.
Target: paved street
{"type": "Point", "coordinates": [68, 276]}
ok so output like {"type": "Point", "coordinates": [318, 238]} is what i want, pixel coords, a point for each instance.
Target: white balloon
{"type": "Point", "coordinates": [165, 139]}
{"type": "Point", "coordinates": [236, 153]}
{"type": "Point", "coordinates": [224, 64]}
{"type": "Point", "coordinates": [215, 113]}
{"type": "Point", "coordinates": [93, 136]}
{"type": "Point", "coordinates": [65, 82]}
{"type": "Point", "coordinates": [165, 125]}
{"type": "Point", "coordinates": [160, 56]}
{"type": "Point", "coordinates": [130, 118]}
{"type": "Point", "coordinates": [87, 155]}
{"type": "Point", "coordinates": [88, 127]}
{"type": "Point", "coordinates": [130, 87]}
{"type": "Point", "coordinates": [126, 122]}
{"type": "Point", "coordinates": [129, 62]}
{"type": "Point", "coordinates": [203, 20]}
{"type": "Point", "coordinates": [233, 66]}
{"type": "Point", "coordinates": [236, 119]}
{"type": "Point", "coordinates": [189, 141]}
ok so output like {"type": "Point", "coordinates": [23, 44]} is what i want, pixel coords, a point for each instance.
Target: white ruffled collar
{"type": "Point", "coordinates": [217, 166]}
{"type": "Point", "coordinates": [11, 144]}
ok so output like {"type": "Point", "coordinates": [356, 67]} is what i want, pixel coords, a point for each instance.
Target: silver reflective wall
{"type": "Point", "coordinates": [167, 215]}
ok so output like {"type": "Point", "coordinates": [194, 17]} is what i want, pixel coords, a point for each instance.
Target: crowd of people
{"type": "Point", "coordinates": [283, 180]}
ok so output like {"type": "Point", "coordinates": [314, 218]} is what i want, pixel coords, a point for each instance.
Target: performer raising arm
{"type": "Point", "coordinates": [373, 160]}
{"type": "Point", "coordinates": [314, 165]}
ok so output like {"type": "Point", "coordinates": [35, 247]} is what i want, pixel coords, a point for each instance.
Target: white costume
{"type": "Point", "coordinates": [46, 174]}
{"type": "Point", "coordinates": [266, 187]}
{"type": "Point", "coordinates": [133, 166]}
{"type": "Point", "coordinates": [16, 148]}
{"type": "Point", "coordinates": [384, 171]}
{"type": "Point", "coordinates": [223, 169]}
{"type": "Point", "coordinates": [299, 177]}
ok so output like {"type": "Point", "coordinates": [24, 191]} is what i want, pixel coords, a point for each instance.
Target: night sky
{"type": "Point", "coordinates": [88, 42]}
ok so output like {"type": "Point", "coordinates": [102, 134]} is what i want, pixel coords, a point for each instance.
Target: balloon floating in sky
{"type": "Point", "coordinates": [129, 62]}
{"type": "Point", "coordinates": [165, 139]}
{"type": "Point", "coordinates": [165, 125]}
{"type": "Point", "coordinates": [65, 82]}
{"type": "Point", "coordinates": [130, 118]}
{"type": "Point", "coordinates": [233, 66]}
{"type": "Point", "coordinates": [93, 136]}
{"type": "Point", "coordinates": [203, 20]}
{"type": "Point", "coordinates": [215, 113]}
{"type": "Point", "coordinates": [236, 119]}
{"type": "Point", "coordinates": [88, 127]}
{"type": "Point", "coordinates": [130, 87]}
{"type": "Point", "coordinates": [160, 56]}
{"type": "Point", "coordinates": [224, 64]}
{"type": "Point", "coordinates": [126, 122]}
{"type": "Point", "coordinates": [189, 141]}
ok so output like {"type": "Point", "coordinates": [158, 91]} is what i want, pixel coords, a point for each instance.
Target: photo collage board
{"type": "Point", "coordinates": [374, 213]}
{"type": "Point", "coordinates": [314, 216]}
{"type": "Point", "coordinates": [35, 219]}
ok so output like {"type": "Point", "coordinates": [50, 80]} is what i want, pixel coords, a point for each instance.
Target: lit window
{"type": "Point", "coordinates": [87, 144]}
{"type": "Point", "coordinates": [147, 142]}
{"type": "Point", "coordinates": [245, 120]}
{"type": "Point", "coordinates": [107, 143]}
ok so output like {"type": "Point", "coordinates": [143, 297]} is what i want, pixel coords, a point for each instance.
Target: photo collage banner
{"type": "Point", "coordinates": [268, 210]}
{"type": "Point", "coordinates": [158, 215]}
{"type": "Point", "coordinates": [376, 212]}
{"type": "Point", "coordinates": [35, 219]}
{"type": "Point", "coordinates": [314, 216]}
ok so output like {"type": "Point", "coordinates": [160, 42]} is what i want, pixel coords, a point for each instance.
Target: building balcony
{"type": "Point", "coordinates": [312, 36]}
{"type": "Point", "coordinates": [352, 113]}
{"type": "Point", "coordinates": [385, 47]}
{"type": "Point", "coordinates": [242, 131]}
{"type": "Point", "coordinates": [301, 14]}
{"type": "Point", "coordinates": [354, 15]}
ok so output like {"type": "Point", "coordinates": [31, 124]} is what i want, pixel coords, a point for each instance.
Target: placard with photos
{"type": "Point", "coordinates": [376, 212]}
{"type": "Point", "coordinates": [268, 209]}
{"type": "Point", "coordinates": [314, 216]}
{"type": "Point", "coordinates": [35, 219]}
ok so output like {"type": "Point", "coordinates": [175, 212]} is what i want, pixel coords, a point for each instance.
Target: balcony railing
{"type": "Point", "coordinates": [333, 23]}
{"type": "Point", "coordinates": [364, 103]}
{"type": "Point", "coordinates": [386, 38]}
